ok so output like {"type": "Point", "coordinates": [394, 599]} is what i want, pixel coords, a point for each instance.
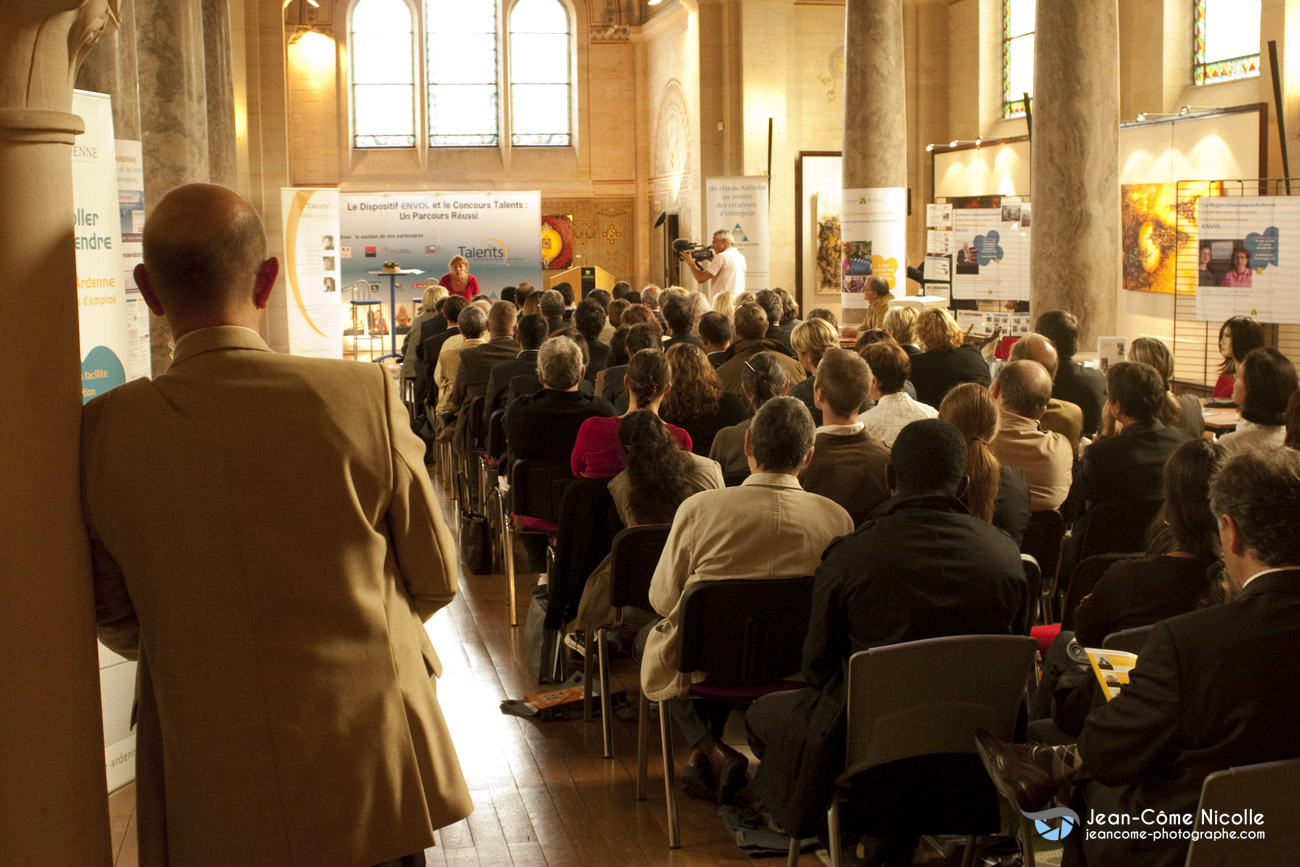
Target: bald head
{"type": "Point", "coordinates": [205, 259]}
{"type": "Point", "coordinates": [1036, 347]}
{"type": "Point", "coordinates": [1024, 388]}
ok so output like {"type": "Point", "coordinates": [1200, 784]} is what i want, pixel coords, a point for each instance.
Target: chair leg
{"type": "Point", "coordinates": [606, 703]}
{"type": "Point", "coordinates": [586, 677]}
{"type": "Point", "coordinates": [792, 860]}
{"type": "Point", "coordinates": [670, 777]}
{"type": "Point", "coordinates": [509, 547]}
{"type": "Point", "coordinates": [500, 498]}
{"type": "Point", "coordinates": [833, 828]}
{"type": "Point", "coordinates": [642, 745]}
{"type": "Point", "coordinates": [968, 853]}
{"type": "Point", "coordinates": [1026, 842]}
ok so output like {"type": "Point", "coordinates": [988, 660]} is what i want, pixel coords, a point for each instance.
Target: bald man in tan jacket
{"type": "Point", "coordinates": [267, 544]}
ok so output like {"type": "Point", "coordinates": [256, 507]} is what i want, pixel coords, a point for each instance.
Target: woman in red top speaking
{"type": "Point", "coordinates": [458, 281]}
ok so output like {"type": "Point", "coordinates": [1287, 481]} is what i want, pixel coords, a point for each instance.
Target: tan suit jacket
{"type": "Point", "coordinates": [768, 527]}
{"type": "Point", "coordinates": [266, 539]}
{"type": "Point", "coordinates": [1045, 457]}
{"type": "Point", "coordinates": [1064, 418]}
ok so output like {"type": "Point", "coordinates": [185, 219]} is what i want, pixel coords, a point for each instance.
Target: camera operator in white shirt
{"type": "Point", "coordinates": [725, 272]}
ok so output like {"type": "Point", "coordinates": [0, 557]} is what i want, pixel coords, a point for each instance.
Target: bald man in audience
{"type": "Point", "coordinates": [1060, 415]}
{"type": "Point", "coordinates": [848, 462]}
{"type": "Point", "coordinates": [267, 543]}
{"type": "Point", "coordinates": [1022, 391]}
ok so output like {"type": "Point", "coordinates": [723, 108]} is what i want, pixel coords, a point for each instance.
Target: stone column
{"type": "Point", "coordinates": [220, 93]}
{"type": "Point", "coordinates": [53, 804]}
{"type": "Point", "coordinates": [173, 114]}
{"type": "Point", "coordinates": [1076, 256]}
{"type": "Point", "coordinates": [111, 69]}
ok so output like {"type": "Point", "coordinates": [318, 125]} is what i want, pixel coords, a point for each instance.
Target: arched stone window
{"type": "Point", "coordinates": [382, 53]}
{"type": "Point", "coordinates": [541, 72]}
{"type": "Point", "coordinates": [1225, 40]}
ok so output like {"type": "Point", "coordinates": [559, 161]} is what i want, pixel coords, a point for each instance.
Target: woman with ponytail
{"type": "Point", "coordinates": [997, 493]}
{"type": "Point", "coordinates": [596, 452]}
{"type": "Point", "coordinates": [762, 379]}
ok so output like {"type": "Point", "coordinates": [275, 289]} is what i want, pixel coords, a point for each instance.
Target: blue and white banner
{"type": "Point", "coordinates": [130, 205]}
{"type": "Point", "coordinates": [739, 205]}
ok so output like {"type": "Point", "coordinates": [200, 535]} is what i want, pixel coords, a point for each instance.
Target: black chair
{"type": "Point", "coordinates": [748, 635]}
{"type": "Point", "coordinates": [1084, 579]}
{"type": "Point", "coordinates": [632, 561]}
{"type": "Point", "coordinates": [489, 469]}
{"type": "Point", "coordinates": [1128, 640]}
{"type": "Point", "coordinates": [1115, 526]}
{"type": "Point", "coordinates": [1042, 540]}
{"type": "Point", "coordinates": [532, 512]}
{"type": "Point", "coordinates": [734, 479]}
{"type": "Point", "coordinates": [1033, 587]}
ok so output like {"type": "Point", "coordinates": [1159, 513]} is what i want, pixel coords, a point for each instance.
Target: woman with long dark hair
{"type": "Point", "coordinates": [697, 401]}
{"type": "Point", "coordinates": [1266, 380]}
{"type": "Point", "coordinates": [1237, 337]}
{"type": "Point", "coordinates": [597, 453]}
{"type": "Point", "coordinates": [996, 493]}
{"type": "Point", "coordinates": [762, 379]}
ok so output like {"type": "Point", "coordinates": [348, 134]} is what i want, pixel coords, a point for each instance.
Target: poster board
{"type": "Point", "coordinates": [130, 200]}
{"type": "Point", "coordinates": [311, 271]}
{"type": "Point", "coordinates": [982, 242]}
{"type": "Point", "coordinates": [873, 232]}
{"type": "Point", "coordinates": [739, 205]}
{"type": "Point", "coordinates": [1254, 247]}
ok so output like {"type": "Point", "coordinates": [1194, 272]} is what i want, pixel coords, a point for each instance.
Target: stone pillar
{"type": "Point", "coordinates": [53, 804]}
{"type": "Point", "coordinates": [875, 95]}
{"type": "Point", "coordinates": [173, 114]}
{"type": "Point", "coordinates": [220, 93]}
{"type": "Point", "coordinates": [111, 69]}
{"type": "Point", "coordinates": [1076, 256]}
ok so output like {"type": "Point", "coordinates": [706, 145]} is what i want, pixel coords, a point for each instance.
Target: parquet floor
{"type": "Point", "coordinates": [543, 794]}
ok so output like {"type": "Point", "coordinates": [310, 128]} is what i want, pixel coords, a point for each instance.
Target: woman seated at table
{"type": "Point", "coordinates": [1238, 336]}
{"type": "Point", "coordinates": [947, 360]}
{"type": "Point", "coordinates": [597, 453]}
{"type": "Point", "coordinates": [458, 281]}
{"type": "Point", "coordinates": [1181, 410]}
{"type": "Point", "coordinates": [1265, 382]}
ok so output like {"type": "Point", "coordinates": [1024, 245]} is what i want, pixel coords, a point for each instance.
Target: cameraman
{"type": "Point", "coordinates": [726, 269]}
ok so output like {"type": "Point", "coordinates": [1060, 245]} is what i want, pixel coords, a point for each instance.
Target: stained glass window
{"type": "Point", "coordinates": [1226, 40]}
{"type": "Point", "coordinates": [462, 68]}
{"type": "Point", "coordinates": [540, 101]}
{"type": "Point", "coordinates": [1017, 55]}
{"type": "Point", "coordinates": [383, 74]}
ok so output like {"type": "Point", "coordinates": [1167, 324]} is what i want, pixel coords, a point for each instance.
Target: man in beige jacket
{"type": "Point", "coordinates": [267, 544]}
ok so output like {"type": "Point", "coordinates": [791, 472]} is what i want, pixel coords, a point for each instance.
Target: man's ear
{"type": "Point", "coordinates": [807, 460]}
{"type": "Point", "coordinates": [749, 445]}
{"type": "Point", "coordinates": [1230, 538]}
{"type": "Point", "coordinates": [962, 487]}
{"type": "Point", "coordinates": [819, 398]}
{"type": "Point", "coordinates": [995, 389]}
{"type": "Point", "coordinates": [265, 282]}
{"type": "Point", "coordinates": [146, 290]}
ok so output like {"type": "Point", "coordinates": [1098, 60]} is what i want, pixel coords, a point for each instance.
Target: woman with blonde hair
{"type": "Point", "coordinates": [725, 303]}
{"type": "Point", "coordinates": [428, 313]}
{"type": "Point", "coordinates": [997, 493]}
{"type": "Point", "coordinates": [900, 322]}
{"type": "Point", "coordinates": [458, 281]}
{"type": "Point", "coordinates": [697, 401]}
{"type": "Point", "coordinates": [810, 340]}
{"type": "Point", "coordinates": [532, 304]}
{"type": "Point", "coordinates": [1181, 411]}
{"type": "Point", "coordinates": [946, 359]}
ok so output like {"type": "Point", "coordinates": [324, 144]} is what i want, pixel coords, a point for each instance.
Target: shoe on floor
{"type": "Point", "coordinates": [728, 767]}
{"type": "Point", "coordinates": [577, 642]}
{"type": "Point", "coordinates": [697, 777]}
{"type": "Point", "coordinates": [1014, 772]}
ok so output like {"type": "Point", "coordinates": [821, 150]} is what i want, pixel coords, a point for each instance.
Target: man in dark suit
{"type": "Point", "coordinates": [1127, 459]}
{"type": "Point", "coordinates": [1213, 689]}
{"type": "Point", "coordinates": [772, 306]}
{"type": "Point", "coordinates": [1082, 386]}
{"type": "Point", "coordinates": [715, 336]}
{"type": "Point", "coordinates": [553, 309]}
{"type": "Point", "coordinates": [426, 358]}
{"type": "Point", "coordinates": [590, 318]}
{"type": "Point", "coordinates": [920, 567]}
{"type": "Point", "coordinates": [680, 317]}
{"type": "Point", "coordinates": [751, 326]}
{"type": "Point", "coordinates": [476, 365]}
{"type": "Point", "coordinates": [529, 335]}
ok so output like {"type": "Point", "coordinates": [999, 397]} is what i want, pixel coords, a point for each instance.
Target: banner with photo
{"type": "Point", "coordinates": [873, 232]}
{"type": "Point", "coordinates": [311, 271]}
{"type": "Point", "coordinates": [101, 297]}
{"type": "Point", "coordinates": [498, 233]}
{"type": "Point", "coordinates": [739, 205]}
{"type": "Point", "coordinates": [990, 247]}
{"type": "Point", "coordinates": [130, 204]}
{"type": "Point", "coordinates": [1251, 248]}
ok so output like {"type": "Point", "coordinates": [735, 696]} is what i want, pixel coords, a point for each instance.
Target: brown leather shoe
{"type": "Point", "coordinates": [728, 768]}
{"type": "Point", "coordinates": [1015, 773]}
{"type": "Point", "coordinates": [697, 777]}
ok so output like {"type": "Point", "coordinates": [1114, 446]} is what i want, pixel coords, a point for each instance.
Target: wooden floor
{"type": "Point", "coordinates": [543, 794]}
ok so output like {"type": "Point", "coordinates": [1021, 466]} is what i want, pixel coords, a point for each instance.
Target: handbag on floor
{"type": "Point", "coordinates": [475, 532]}
{"type": "Point", "coordinates": [542, 646]}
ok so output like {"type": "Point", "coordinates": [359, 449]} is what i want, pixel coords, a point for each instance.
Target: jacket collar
{"type": "Point", "coordinates": [217, 337]}
{"type": "Point", "coordinates": [751, 346]}
{"type": "Point", "coordinates": [934, 501]}
{"type": "Point", "coordinates": [1281, 581]}
{"type": "Point", "coordinates": [772, 480]}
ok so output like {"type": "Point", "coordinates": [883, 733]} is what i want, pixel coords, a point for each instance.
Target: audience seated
{"type": "Point", "coordinates": [1213, 689]}
{"type": "Point", "coordinates": [597, 453]}
{"type": "Point", "coordinates": [430, 347]}
{"type": "Point", "coordinates": [900, 322]}
{"type": "Point", "coordinates": [768, 527]}
{"type": "Point", "coordinates": [998, 492]}
{"type": "Point", "coordinates": [697, 401]}
{"type": "Point", "coordinates": [848, 463]}
{"type": "Point", "coordinates": [1060, 416]}
{"type": "Point", "coordinates": [552, 304]}
{"type": "Point", "coordinates": [1265, 381]}
{"type": "Point", "coordinates": [921, 567]}
{"type": "Point", "coordinates": [894, 409]}
{"type": "Point", "coordinates": [879, 335]}
{"type": "Point", "coordinates": [947, 359]}
{"type": "Point", "coordinates": [777, 329]}
{"type": "Point", "coordinates": [810, 341]}
{"type": "Point", "coordinates": [715, 336]}
{"type": "Point", "coordinates": [823, 313]}
{"type": "Point", "coordinates": [642, 335]}
{"type": "Point", "coordinates": [680, 317]}
{"type": "Point", "coordinates": [473, 325]}
{"type": "Point", "coordinates": [1182, 411]}
{"type": "Point", "coordinates": [1022, 390]}
{"type": "Point", "coordinates": [530, 334]}
{"type": "Point", "coordinates": [430, 314]}
{"type": "Point", "coordinates": [1237, 337]}
{"type": "Point", "coordinates": [750, 325]}
{"type": "Point", "coordinates": [566, 292]}
{"type": "Point", "coordinates": [789, 309]}
{"type": "Point", "coordinates": [1293, 421]}
{"type": "Point", "coordinates": [477, 362]}
{"type": "Point", "coordinates": [1081, 386]}
{"type": "Point", "coordinates": [762, 379]}
{"type": "Point", "coordinates": [615, 310]}
{"type": "Point", "coordinates": [590, 319]}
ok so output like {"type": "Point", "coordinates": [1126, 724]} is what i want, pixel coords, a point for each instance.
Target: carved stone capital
{"type": "Point", "coordinates": [42, 44]}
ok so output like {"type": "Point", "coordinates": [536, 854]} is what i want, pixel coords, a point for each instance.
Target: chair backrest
{"type": "Point", "coordinates": [1128, 640]}
{"type": "Point", "coordinates": [1042, 539]}
{"type": "Point", "coordinates": [744, 631]}
{"type": "Point", "coordinates": [1033, 587]}
{"type": "Point", "coordinates": [632, 561]}
{"type": "Point", "coordinates": [924, 697]}
{"type": "Point", "coordinates": [1271, 790]}
{"type": "Point", "coordinates": [1117, 525]}
{"type": "Point", "coordinates": [532, 487]}
{"type": "Point", "coordinates": [472, 415]}
{"type": "Point", "coordinates": [1085, 577]}
{"type": "Point", "coordinates": [496, 434]}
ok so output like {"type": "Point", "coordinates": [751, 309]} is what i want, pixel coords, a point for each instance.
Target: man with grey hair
{"type": "Point", "coordinates": [1022, 391]}
{"type": "Point", "coordinates": [1060, 415]}
{"type": "Point", "coordinates": [552, 304]}
{"type": "Point", "coordinates": [725, 272]}
{"type": "Point", "coordinates": [1212, 690]}
{"type": "Point", "coordinates": [472, 322]}
{"type": "Point", "coordinates": [708, 543]}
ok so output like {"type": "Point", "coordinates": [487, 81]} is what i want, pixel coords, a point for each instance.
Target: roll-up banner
{"type": "Point", "coordinates": [739, 205]}
{"type": "Point", "coordinates": [311, 271]}
{"type": "Point", "coordinates": [130, 203]}
{"type": "Point", "coordinates": [873, 229]}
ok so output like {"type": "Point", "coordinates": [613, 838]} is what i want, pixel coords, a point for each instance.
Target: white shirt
{"type": "Point", "coordinates": [1264, 572]}
{"type": "Point", "coordinates": [728, 268]}
{"type": "Point", "coordinates": [843, 430]}
{"type": "Point", "coordinates": [892, 413]}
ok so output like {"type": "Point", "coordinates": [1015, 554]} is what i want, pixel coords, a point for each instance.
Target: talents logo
{"type": "Point", "coordinates": [1069, 821]}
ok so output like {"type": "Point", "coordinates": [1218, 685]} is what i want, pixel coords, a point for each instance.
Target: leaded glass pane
{"type": "Point", "coordinates": [463, 109]}
{"type": "Point", "coordinates": [539, 58]}
{"type": "Point", "coordinates": [1020, 66]}
{"type": "Point", "coordinates": [383, 74]}
{"type": "Point", "coordinates": [1019, 17]}
{"type": "Point", "coordinates": [1017, 55]}
{"type": "Point", "coordinates": [540, 68]}
{"type": "Point", "coordinates": [474, 61]}
{"type": "Point", "coordinates": [462, 67]}
{"type": "Point", "coordinates": [384, 109]}
{"type": "Point", "coordinates": [539, 16]}
{"type": "Point", "coordinates": [1231, 29]}
{"type": "Point", "coordinates": [381, 16]}
{"type": "Point", "coordinates": [540, 108]}
{"type": "Point", "coordinates": [376, 59]}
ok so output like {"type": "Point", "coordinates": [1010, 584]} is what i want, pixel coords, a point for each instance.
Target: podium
{"type": "Point", "coordinates": [596, 277]}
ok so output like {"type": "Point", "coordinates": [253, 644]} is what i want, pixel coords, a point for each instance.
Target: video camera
{"type": "Point", "coordinates": [699, 252]}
